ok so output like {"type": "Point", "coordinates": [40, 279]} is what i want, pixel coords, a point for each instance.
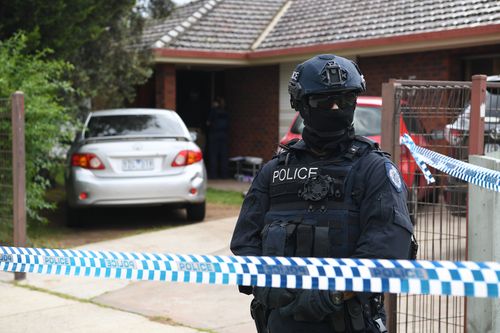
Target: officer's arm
{"type": "Point", "coordinates": [385, 222]}
{"type": "Point", "coordinates": [246, 238]}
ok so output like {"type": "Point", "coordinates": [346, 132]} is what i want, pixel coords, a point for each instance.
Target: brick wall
{"type": "Point", "coordinates": [252, 99]}
{"type": "Point", "coordinates": [443, 65]}
{"type": "Point", "coordinates": [419, 66]}
{"type": "Point", "coordinates": [165, 86]}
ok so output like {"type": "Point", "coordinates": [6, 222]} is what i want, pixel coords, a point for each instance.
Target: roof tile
{"type": "Point", "coordinates": [234, 25]}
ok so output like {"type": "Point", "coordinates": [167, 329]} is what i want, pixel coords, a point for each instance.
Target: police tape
{"type": "Point", "coordinates": [477, 279]}
{"type": "Point", "coordinates": [473, 174]}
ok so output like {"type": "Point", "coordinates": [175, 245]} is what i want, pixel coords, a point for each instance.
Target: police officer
{"type": "Point", "coordinates": [332, 194]}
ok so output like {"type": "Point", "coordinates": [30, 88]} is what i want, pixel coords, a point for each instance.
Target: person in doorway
{"type": "Point", "coordinates": [218, 135]}
{"type": "Point", "coordinates": [332, 194]}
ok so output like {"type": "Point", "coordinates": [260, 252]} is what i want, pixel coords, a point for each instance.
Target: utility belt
{"type": "Point", "coordinates": [357, 314]}
{"type": "Point", "coordinates": [353, 312]}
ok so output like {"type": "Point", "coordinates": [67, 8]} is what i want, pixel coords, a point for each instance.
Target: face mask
{"type": "Point", "coordinates": [329, 115]}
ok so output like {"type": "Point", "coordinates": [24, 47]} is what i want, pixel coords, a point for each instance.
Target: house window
{"type": "Point", "coordinates": [487, 65]}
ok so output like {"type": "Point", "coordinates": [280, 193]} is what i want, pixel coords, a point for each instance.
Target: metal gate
{"type": "Point", "coordinates": [430, 110]}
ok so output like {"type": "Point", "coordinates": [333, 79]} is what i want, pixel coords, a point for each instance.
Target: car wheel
{"type": "Point", "coordinates": [74, 217]}
{"type": "Point", "coordinates": [196, 212]}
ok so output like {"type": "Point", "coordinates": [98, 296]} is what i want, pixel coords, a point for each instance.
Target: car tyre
{"type": "Point", "coordinates": [74, 217]}
{"type": "Point", "coordinates": [196, 212]}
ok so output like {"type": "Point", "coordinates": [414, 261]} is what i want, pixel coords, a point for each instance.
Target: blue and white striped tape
{"type": "Point", "coordinates": [474, 174]}
{"type": "Point", "coordinates": [408, 142]}
{"type": "Point", "coordinates": [478, 279]}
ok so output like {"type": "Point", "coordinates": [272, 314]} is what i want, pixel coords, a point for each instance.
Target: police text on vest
{"type": "Point", "coordinates": [294, 173]}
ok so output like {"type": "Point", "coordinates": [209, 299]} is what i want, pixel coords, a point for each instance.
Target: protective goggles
{"type": "Point", "coordinates": [329, 101]}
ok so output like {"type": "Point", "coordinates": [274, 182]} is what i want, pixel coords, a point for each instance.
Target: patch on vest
{"type": "Point", "coordinates": [394, 177]}
{"type": "Point", "coordinates": [293, 173]}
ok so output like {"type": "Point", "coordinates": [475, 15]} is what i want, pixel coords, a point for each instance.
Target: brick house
{"type": "Point", "coordinates": [245, 52]}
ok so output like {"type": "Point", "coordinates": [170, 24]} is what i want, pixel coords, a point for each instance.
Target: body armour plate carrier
{"type": "Point", "coordinates": [313, 210]}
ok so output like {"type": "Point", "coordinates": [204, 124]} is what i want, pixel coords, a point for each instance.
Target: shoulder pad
{"type": "Point", "coordinates": [383, 153]}
{"type": "Point", "coordinates": [373, 144]}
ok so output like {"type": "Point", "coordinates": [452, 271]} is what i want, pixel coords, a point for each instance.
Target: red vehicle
{"type": "Point", "coordinates": [367, 122]}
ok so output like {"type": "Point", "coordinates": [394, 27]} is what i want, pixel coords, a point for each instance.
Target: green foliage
{"type": "Point", "coordinates": [109, 68]}
{"type": "Point", "coordinates": [41, 82]}
{"type": "Point", "coordinates": [155, 9]}
{"type": "Point", "coordinates": [61, 25]}
{"type": "Point", "coordinates": [68, 57]}
{"type": "Point", "coordinates": [99, 37]}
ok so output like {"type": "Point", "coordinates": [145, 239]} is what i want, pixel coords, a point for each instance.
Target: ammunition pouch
{"type": "Point", "coordinates": [362, 313]}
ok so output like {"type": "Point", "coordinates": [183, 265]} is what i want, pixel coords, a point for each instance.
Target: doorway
{"type": "Point", "coordinates": [195, 91]}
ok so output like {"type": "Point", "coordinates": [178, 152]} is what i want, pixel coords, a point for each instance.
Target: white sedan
{"type": "Point", "coordinates": [126, 157]}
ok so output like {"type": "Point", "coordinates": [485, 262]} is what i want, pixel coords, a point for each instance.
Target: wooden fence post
{"type": "Point", "coordinates": [18, 174]}
{"type": "Point", "coordinates": [477, 113]}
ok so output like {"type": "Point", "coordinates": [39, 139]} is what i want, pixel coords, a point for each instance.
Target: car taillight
{"type": "Point", "coordinates": [86, 161]}
{"type": "Point", "coordinates": [187, 157]}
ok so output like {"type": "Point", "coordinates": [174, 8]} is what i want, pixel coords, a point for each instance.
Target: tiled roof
{"type": "Point", "coordinates": [324, 21]}
{"type": "Point", "coordinates": [235, 25]}
{"type": "Point", "coordinates": [225, 25]}
{"type": "Point", "coordinates": [156, 29]}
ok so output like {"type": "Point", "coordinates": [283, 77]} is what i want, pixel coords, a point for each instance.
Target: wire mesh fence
{"type": "Point", "coordinates": [429, 111]}
{"type": "Point", "coordinates": [6, 186]}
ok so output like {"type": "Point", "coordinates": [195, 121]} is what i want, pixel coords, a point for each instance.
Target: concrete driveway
{"type": "Point", "coordinates": [216, 308]}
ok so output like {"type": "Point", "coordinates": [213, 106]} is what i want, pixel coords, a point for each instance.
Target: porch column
{"type": "Point", "coordinates": [165, 86]}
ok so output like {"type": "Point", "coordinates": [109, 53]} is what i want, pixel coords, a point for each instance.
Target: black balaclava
{"type": "Point", "coordinates": [326, 130]}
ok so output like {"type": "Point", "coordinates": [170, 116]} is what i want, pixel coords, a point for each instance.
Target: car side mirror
{"type": "Point", "coordinates": [194, 135]}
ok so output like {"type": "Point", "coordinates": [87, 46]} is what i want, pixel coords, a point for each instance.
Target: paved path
{"type": "Point", "coordinates": [216, 308]}
{"type": "Point", "coordinates": [25, 310]}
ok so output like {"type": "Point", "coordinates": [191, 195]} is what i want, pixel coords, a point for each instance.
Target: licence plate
{"type": "Point", "coordinates": [489, 147]}
{"type": "Point", "coordinates": [137, 164]}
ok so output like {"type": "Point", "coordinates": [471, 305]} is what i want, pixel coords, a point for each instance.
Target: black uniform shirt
{"type": "Point", "coordinates": [384, 219]}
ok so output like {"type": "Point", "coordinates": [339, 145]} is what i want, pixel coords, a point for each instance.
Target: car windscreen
{"type": "Point", "coordinates": [132, 125]}
{"type": "Point", "coordinates": [367, 121]}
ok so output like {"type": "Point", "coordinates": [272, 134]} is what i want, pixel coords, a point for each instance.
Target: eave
{"type": "Point", "coordinates": [426, 41]}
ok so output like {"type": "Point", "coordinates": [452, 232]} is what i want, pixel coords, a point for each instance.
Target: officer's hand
{"type": "Point", "coordinates": [273, 297]}
{"type": "Point", "coordinates": [310, 305]}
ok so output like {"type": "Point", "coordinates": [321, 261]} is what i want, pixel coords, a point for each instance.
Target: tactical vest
{"type": "Point", "coordinates": [314, 207]}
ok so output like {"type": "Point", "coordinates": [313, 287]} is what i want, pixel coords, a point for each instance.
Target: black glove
{"type": "Point", "coordinates": [310, 305]}
{"type": "Point", "coordinates": [273, 298]}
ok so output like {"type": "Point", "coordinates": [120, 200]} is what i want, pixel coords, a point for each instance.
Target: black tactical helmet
{"type": "Point", "coordinates": [324, 74]}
